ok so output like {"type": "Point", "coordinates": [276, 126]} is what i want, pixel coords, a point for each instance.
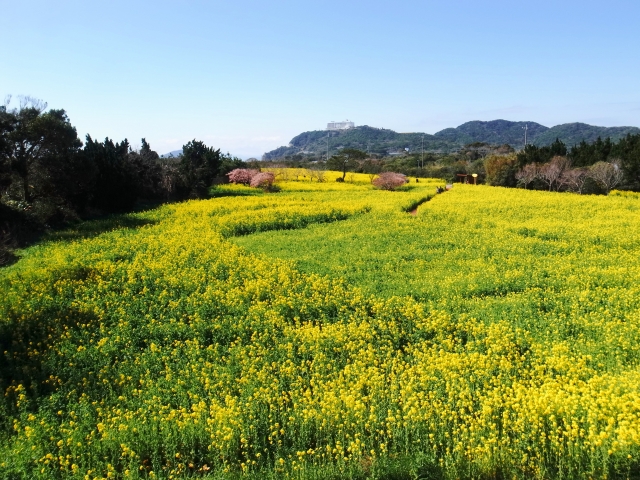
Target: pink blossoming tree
{"type": "Point", "coordinates": [263, 180]}
{"type": "Point", "coordinates": [389, 180]}
{"type": "Point", "coordinates": [242, 175]}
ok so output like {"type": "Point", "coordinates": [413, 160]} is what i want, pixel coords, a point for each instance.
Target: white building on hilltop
{"type": "Point", "coordinates": [340, 125]}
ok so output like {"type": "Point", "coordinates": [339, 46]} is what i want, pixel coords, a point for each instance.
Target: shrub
{"type": "Point", "coordinates": [242, 175]}
{"type": "Point", "coordinates": [263, 180]}
{"type": "Point", "coordinates": [390, 181]}
{"type": "Point", "coordinates": [501, 170]}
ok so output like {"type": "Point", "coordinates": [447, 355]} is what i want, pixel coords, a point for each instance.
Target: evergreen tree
{"type": "Point", "coordinates": [115, 186]}
{"type": "Point", "coordinates": [628, 151]}
{"type": "Point", "coordinates": [198, 167]}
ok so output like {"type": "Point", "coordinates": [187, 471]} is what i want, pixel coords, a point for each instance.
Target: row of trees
{"type": "Point", "coordinates": [558, 174]}
{"type": "Point", "coordinates": [48, 176]}
{"type": "Point", "coordinates": [494, 164]}
{"type": "Point", "coordinates": [586, 168]}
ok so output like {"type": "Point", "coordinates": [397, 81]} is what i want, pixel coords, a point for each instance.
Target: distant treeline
{"type": "Point", "coordinates": [582, 168]}
{"type": "Point", "coordinates": [585, 168]}
{"type": "Point", "coordinates": [49, 178]}
{"type": "Point", "coordinates": [469, 159]}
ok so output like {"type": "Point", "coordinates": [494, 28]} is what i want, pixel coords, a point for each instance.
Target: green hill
{"type": "Point", "coordinates": [495, 132]}
{"type": "Point", "coordinates": [387, 142]}
{"type": "Point", "coordinates": [573, 133]}
{"type": "Point", "coordinates": [374, 140]}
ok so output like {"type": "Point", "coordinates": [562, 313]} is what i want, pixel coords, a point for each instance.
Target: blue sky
{"type": "Point", "coordinates": [246, 76]}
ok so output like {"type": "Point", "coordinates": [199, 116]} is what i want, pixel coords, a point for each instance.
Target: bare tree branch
{"type": "Point", "coordinates": [551, 172]}
{"type": "Point", "coordinates": [574, 179]}
{"type": "Point", "coordinates": [607, 174]}
{"type": "Point", "coordinates": [527, 174]}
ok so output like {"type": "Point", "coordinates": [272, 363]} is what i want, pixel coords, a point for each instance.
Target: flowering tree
{"type": "Point", "coordinates": [390, 181]}
{"type": "Point", "coordinates": [263, 180]}
{"type": "Point", "coordinates": [242, 175]}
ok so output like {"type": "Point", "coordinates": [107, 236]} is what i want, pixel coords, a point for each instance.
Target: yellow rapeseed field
{"type": "Point", "coordinates": [166, 350]}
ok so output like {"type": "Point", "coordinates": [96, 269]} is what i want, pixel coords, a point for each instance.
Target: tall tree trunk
{"type": "Point", "coordinates": [25, 188]}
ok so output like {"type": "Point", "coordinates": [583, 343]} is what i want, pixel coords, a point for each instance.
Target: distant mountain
{"type": "Point", "coordinates": [573, 133]}
{"type": "Point", "coordinates": [496, 132]}
{"type": "Point", "coordinates": [499, 132]}
{"type": "Point", "coordinates": [368, 139]}
{"type": "Point", "coordinates": [174, 153]}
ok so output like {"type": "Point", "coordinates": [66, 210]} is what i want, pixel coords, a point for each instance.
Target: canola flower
{"type": "Point", "coordinates": [167, 351]}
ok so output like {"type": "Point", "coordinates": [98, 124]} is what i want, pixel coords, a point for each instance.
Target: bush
{"type": "Point", "coordinates": [501, 170]}
{"type": "Point", "coordinates": [389, 181]}
{"type": "Point", "coordinates": [242, 175]}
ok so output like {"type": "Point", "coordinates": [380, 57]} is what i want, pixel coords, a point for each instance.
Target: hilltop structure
{"type": "Point", "coordinates": [385, 142]}
{"type": "Point", "coordinates": [346, 125]}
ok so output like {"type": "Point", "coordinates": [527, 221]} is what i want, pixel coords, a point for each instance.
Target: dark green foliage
{"type": "Point", "coordinates": [494, 132]}
{"type": "Point", "coordinates": [628, 151]}
{"type": "Point", "coordinates": [307, 138]}
{"type": "Point", "coordinates": [47, 179]}
{"type": "Point", "coordinates": [382, 142]}
{"type": "Point", "coordinates": [115, 187]}
{"type": "Point", "coordinates": [586, 154]}
{"type": "Point", "coordinates": [228, 163]}
{"type": "Point", "coordinates": [374, 141]}
{"type": "Point", "coordinates": [558, 148]}
{"type": "Point", "coordinates": [372, 167]}
{"type": "Point", "coordinates": [347, 159]}
{"type": "Point", "coordinates": [149, 173]}
{"type": "Point", "coordinates": [574, 133]}
{"type": "Point", "coordinates": [535, 154]}
{"type": "Point", "coordinates": [16, 227]}
{"type": "Point", "coordinates": [42, 172]}
{"type": "Point", "coordinates": [501, 170]}
{"type": "Point", "coordinates": [198, 167]}
{"type": "Point", "coordinates": [6, 126]}
{"type": "Point", "coordinates": [36, 145]}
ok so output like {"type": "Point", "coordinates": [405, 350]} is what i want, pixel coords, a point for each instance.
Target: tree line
{"type": "Point", "coordinates": [594, 167]}
{"type": "Point", "coordinates": [584, 168]}
{"type": "Point", "coordinates": [49, 177]}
